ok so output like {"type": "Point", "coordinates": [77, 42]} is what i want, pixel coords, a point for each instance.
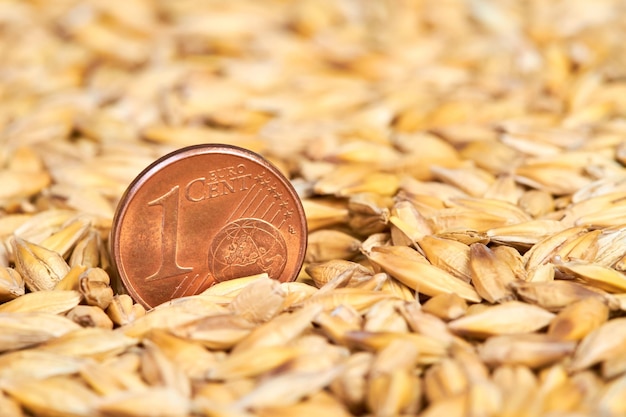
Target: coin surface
{"type": "Point", "coordinates": [205, 214]}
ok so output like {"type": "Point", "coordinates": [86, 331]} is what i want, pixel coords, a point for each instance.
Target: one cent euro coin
{"type": "Point", "coordinates": [202, 215]}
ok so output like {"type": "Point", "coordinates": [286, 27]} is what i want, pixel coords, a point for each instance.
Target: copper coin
{"type": "Point", "coordinates": [202, 215]}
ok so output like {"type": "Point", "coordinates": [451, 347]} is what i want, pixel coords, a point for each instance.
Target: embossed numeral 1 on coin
{"type": "Point", "coordinates": [169, 236]}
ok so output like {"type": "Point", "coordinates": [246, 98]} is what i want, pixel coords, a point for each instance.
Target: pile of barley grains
{"type": "Point", "coordinates": [461, 167]}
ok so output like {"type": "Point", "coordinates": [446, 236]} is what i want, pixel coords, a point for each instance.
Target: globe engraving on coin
{"type": "Point", "coordinates": [247, 245]}
{"type": "Point", "coordinates": [202, 215]}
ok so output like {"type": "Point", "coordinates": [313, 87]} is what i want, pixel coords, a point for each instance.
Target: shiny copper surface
{"type": "Point", "coordinates": [205, 214]}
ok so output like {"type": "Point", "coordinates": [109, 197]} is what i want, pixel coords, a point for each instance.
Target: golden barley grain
{"type": "Point", "coordinates": [368, 212]}
{"type": "Point", "coordinates": [321, 215]}
{"type": "Point", "coordinates": [54, 396]}
{"type": "Point", "coordinates": [90, 342]}
{"type": "Point", "coordinates": [555, 295]}
{"type": "Point", "coordinates": [336, 326]}
{"type": "Point", "coordinates": [506, 318]}
{"type": "Point", "coordinates": [87, 251]}
{"type": "Point", "coordinates": [360, 300]}
{"type": "Point", "coordinates": [189, 356]}
{"type": "Point", "coordinates": [350, 385]}
{"type": "Point", "coordinates": [393, 286]}
{"type": "Point", "coordinates": [159, 371]}
{"type": "Point", "coordinates": [11, 284]}
{"type": "Point", "coordinates": [524, 234]}
{"type": "Point", "coordinates": [107, 381]}
{"type": "Point", "coordinates": [90, 316]}
{"type": "Point", "coordinates": [610, 244]}
{"type": "Point", "coordinates": [385, 315]}
{"type": "Point", "coordinates": [432, 350]}
{"type": "Point", "coordinates": [165, 402]}
{"type": "Point", "coordinates": [327, 245]}
{"type": "Point", "coordinates": [63, 240]}
{"type": "Point", "coordinates": [259, 301]}
{"type": "Point", "coordinates": [491, 277]}
{"type": "Point", "coordinates": [122, 311]}
{"type": "Point", "coordinates": [392, 387]}
{"type": "Point", "coordinates": [484, 397]}
{"type": "Point", "coordinates": [252, 362]}
{"type": "Point", "coordinates": [324, 272]}
{"type": "Point", "coordinates": [599, 345]}
{"type": "Point", "coordinates": [19, 185]}
{"type": "Point", "coordinates": [473, 181]}
{"type": "Point", "coordinates": [577, 320]}
{"type": "Point", "coordinates": [41, 268]}
{"type": "Point", "coordinates": [168, 315]}
{"type": "Point", "coordinates": [318, 404]}
{"type": "Point", "coordinates": [542, 273]}
{"type": "Point", "coordinates": [450, 255]}
{"type": "Point", "coordinates": [219, 331]}
{"type": "Point", "coordinates": [93, 284]}
{"type": "Point", "coordinates": [530, 350]}
{"type": "Point", "coordinates": [446, 306]}
{"type": "Point", "coordinates": [614, 366]}
{"type": "Point", "coordinates": [53, 302]}
{"type": "Point", "coordinates": [26, 329]}
{"type": "Point", "coordinates": [10, 407]}
{"type": "Point", "coordinates": [455, 219]}
{"type": "Point", "coordinates": [70, 281]}
{"type": "Point", "coordinates": [519, 386]}
{"type": "Point", "coordinates": [444, 379]}
{"type": "Point", "coordinates": [428, 325]}
{"type": "Point", "coordinates": [598, 276]}
{"type": "Point", "coordinates": [545, 249]}
{"type": "Point", "coordinates": [404, 264]}
{"type": "Point", "coordinates": [454, 406]}
{"type": "Point", "coordinates": [284, 328]}
{"type": "Point", "coordinates": [36, 364]}
{"type": "Point", "coordinates": [232, 287]}
{"type": "Point", "coordinates": [500, 208]}
{"type": "Point", "coordinates": [583, 247]}
{"type": "Point", "coordinates": [287, 388]}
{"type": "Point", "coordinates": [505, 188]}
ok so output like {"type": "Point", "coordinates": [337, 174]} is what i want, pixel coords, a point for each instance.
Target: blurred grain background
{"type": "Point", "coordinates": [460, 163]}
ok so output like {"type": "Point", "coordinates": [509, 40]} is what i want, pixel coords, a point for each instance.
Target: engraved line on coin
{"type": "Point", "coordinates": [169, 203]}
{"type": "Point", "coordinates": [259, 180]}
{"type": "Point", "coordinates": [185, 288]}
{"type": "Point", "coordinates": [248, 207]}
{"type": "Point", "coordinates": [232, 214]}
{"type": "Point", "coordinates": [180, 285]}
{"type": "Point", "coordinates": [249, 203]}
{"type": "Point", "coordinates": [200, 284]}
{"type": "Point", "coordinates": [268, 210]}
{"type": "Point", "coordinates": [275, 215]}
{"type": "Point", "coordinates": [192, 287]}
{"type": "Point", "coordinates": [259, 206]}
